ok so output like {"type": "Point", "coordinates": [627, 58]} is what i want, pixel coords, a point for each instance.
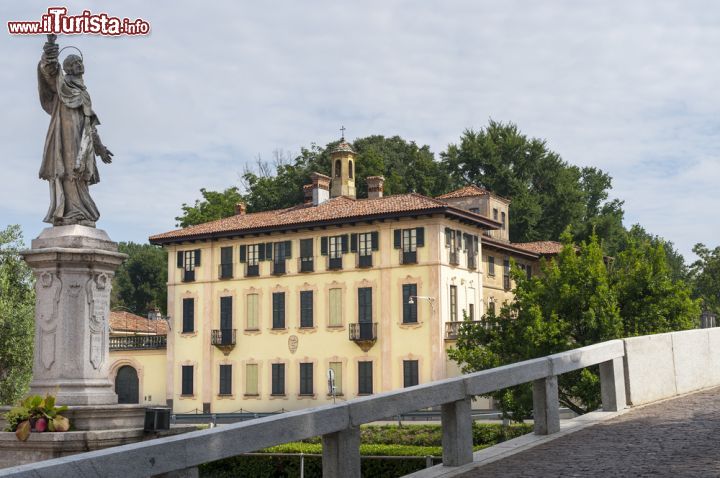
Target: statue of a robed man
{"type": "Point", "coordinates": [72, 141]}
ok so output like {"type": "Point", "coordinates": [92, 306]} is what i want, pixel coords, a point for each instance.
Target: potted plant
{"type": "Point", "coordinates": [36, 414]}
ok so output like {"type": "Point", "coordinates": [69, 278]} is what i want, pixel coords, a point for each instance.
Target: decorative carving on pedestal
{"type": "Point", "coordinates": [50, 285]}
{"type": "Point", "coordinates": [98, 304]}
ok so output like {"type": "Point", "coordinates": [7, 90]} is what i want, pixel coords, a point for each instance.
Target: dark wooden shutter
{"type": "Point", "coordinates": [306, 308]}
{"type": "Point", "coordinates": [243, 253]}
{"type": "Point", "coordinates": [324, 246]}
{"type": "Point", "coordinates": [197, 257]}
{"type": "Point", "coordinates": [468, 244]}
{"type": "Point", "coordinates": [353, 242]}
{"type": "Point", "coordinates": [180, 258]}
{"type": "Point", "coordinates": [226, 254]}
{"type": "Point", "coordinates": [306, 248]}
{"type": "Point", "coordinates": [225, 314]}
{"type": "Point", "coordinates": [398, 238]}
{"type": "Point", "coordinates": [375, 241]}
{"type": "Point", "coordinates": [188, 316]}
{"type": "Point", "coordinates": [268, 251]}
{"type": "Point", "coordinates": [261, 251]}
{"type": "Point", "coordinates": [187, 380]}
{"type": "Point", "coordinates": [410, 373]}
{"type": "Point", "coordinates": [278, 379]}
{"type": "Point", "coordinates": [365, 378]}
{"type": "Point", "coordinates": [278, 310]}
{"type": "Point", "coordinates": [288, 249]}
{"type": "Point", "coordinates": [225, 379]}
{"type": "Point", "coordinates": [448, 234]}
{"type": "Point", "coordinates": [409, 310]}
{"type": "Point", "coordinates": [306, 379]}
{"type": "Point", "coordinates": [420, 236]}
{"type": "Point", "coordinates": [344, 241]}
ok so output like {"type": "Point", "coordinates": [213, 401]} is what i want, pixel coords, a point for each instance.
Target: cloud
{"type": "Point", "coordinates": [625, 86]}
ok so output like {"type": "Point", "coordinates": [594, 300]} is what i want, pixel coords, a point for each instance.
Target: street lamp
{"type": "Point", "coordinates": [424, 297]}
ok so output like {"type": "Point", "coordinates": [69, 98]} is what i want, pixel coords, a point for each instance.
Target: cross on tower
{"type": "Point", "coordinates": [342, 131]}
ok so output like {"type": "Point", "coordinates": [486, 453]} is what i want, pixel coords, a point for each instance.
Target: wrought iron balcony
{"type": "Point", "coordinates": [335, 263]}
{"type": "Point", "coordinates": [188, 276]}
{"type": "Point", "coordinates": [408, 257]}
{"type": "Point", "coordinates": [278, 268]}
{"type": "Point", "coordinates": [365, 261]}
{"type": "Point", "coordinates": [364, 334]}
{"type": "Point", "coordinates": [252, 270]}
{"type": "Point", "coordinates": [224, 339]}
{"type": "Point", "coordinates": [225, 271]}
{"type": "Point", "coordinates": [306, 264]}
{"type": "Point", "coordinates": [138, 342]}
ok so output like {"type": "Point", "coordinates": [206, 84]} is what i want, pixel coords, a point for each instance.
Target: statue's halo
{"type": "Point", "coordinates": [73, 47]}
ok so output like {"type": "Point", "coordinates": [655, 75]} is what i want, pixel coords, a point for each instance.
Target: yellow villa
{"type": "Point", "coordinates": [264, 305]}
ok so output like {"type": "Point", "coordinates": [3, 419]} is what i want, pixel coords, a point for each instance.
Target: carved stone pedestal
{"type": "Point", "coordinates": [74, 267]}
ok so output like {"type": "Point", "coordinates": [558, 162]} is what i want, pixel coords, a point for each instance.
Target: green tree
{"type": "Point", "coordinates": [214, 205]}
{"type": "Point", "coordinates": [705, 274]}
{"type": "Point", "coordinates": [17, 324]}
{"type": "Point", "coordinates": [140, 282]}
{"type": "Point", "coordinates": [650, 301]}
{"type": "Point", "coordinates": [675, 261]}
{"type": "Point", "coordinates": [547, 193]}
{"type": "Point", "coordinates": [571, 304]}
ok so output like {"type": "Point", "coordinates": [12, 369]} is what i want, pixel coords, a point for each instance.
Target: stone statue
{"type": "Point", "coordinates": [72, 142]}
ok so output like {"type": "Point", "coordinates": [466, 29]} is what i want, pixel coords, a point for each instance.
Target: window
{"type": "Point", "coordinates": [350, 169]}
{"type": "Point", "coordinates": [502, 220]}
{"type": "Point", "coordinates": [453, 241]}
{"type": "Point", "coordinates": [366, 243]}
{"type": "Point", "coordinates": [365, 304]}
{"type": "Point", "coordinates": [225, 379]}
{"type": "Point", "coordinates": [335, 308]}
{"type": "Point", "coordinates": [335, 243]}
{"type": "Point", "coordinates": [410, 373]}
{"type": "Point", "coordinates": [306, 379]}
{"type": "Point", "coordinates": [252, 254]}
{"type": "Point", "coordinates": [337, 368]}
{"type": "Point", "coordinates": [306, 308]}
{"type": "Point", "coordinates": [251, 302]}
{"type": "Point", "coordinates": [278, 310]}
{"type": "Point", "coordinates": [453, 304]}
{"type": "Point", "coordinates": [188, 260]}
{"type": "Point", "coordinates": [471, 312]}
{"type": "Point", "coordinates": [251, 379]}
{"type": "Point", "coordinates": [491, 265]}
{"type": "Point", "coordinates": [472, 245]}
{"type": "Point", "coordinates": [226, 313]}
{"type": "Point", "coordinates": [187, 380]}
{"type": "Point", "coordinates": [506, 274]}
{"type": "Point", "coordinates": [281, 252]}
{"type": "Point", "coordinates": [226, 263]}
{"type": "Point", "coordinates": [338, 168]}
{"type": "Point", "coordinates": [409, 310]}
{"type": "Point", "coordinates": [306, 255]}
{"type": "Point", "coordinates": [495, 214]}
{"type": "Point", "coordinates": [278, 379]}
{"type": "Point", "coordinates": [408, 240]}
{"type": "Point", "coordinates": [188, 316]}
{"type": "Point", "coordinates": [365, 378]}
{"type": "Point", "coordinates": [491, 307]}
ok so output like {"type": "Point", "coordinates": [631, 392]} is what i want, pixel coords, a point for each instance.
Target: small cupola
{"type": "Point", "coordinates": [342, 159]}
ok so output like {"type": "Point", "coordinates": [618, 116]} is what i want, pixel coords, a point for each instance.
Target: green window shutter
{"type": "Point", "coordinates": [197, 257]}
{"type": "Point", "coordinates": [375, 241]}
{"type": "Point", "coordinates": [420, 236]}
{"type": "Point", "coordinates": [251, 379]}
{"type": "Point", "coordinates": [268, 251]}
{"type": "Point", "coordinates": [324, 246]}
{"type": "Point", "coordinates": [448, 234]}
{"type": "Point", "coordinates": [243, 253]}
{"type": "Point", "coordinates": [180, 257]}
{"type": "Point", "coordinates": [188, 316]}
{"type": "Point", "coordinates": [344, 241]}
{"type": "Point", "coordinates": [306, 247]}
{"type": "Point", "coordinates": [398, 238]}
{"type": "Point", "coordinates": [353, 242]}
{"type": "Point", "coordinates": [288, 249]}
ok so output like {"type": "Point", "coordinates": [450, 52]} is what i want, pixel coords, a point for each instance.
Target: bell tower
{"type": "Point", "coordinates": [342, 158]}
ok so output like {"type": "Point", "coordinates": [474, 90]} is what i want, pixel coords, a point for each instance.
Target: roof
{"type": "Point", "coordinates": [121, 321]}
{"type": "Point", "coordinates": [543, 248]}
{"type": "Point", "coordinates": [466, 191]}
{"type": "Point", "coordinates": [508, 247]}
{"type": "Point", "coordinates": [338, 210]}
{"type": "Point", "coordinates": [343, 147]}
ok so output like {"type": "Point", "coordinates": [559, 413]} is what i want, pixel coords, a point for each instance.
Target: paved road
{"type": "Point", "coordinates": [675, 438]}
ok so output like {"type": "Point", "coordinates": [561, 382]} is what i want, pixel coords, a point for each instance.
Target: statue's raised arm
{"type": "Point", "coordinates": [72, 140]}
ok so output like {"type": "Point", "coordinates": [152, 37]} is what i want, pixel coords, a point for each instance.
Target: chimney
{"type": "Point", "coordinates": [320, 188]}
{"type": "Point", "coordinates": [240, 208]}
{"type": "Point", "coordinates": [375, 185]}
{"type": "Point", "coordinates": [308, 193]}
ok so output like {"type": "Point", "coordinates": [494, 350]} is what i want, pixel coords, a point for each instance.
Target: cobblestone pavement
{"type": "Point", "coordinates": [678, 438]}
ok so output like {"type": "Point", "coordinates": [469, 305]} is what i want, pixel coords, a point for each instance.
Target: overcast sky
{"type": "Point", "coordinates": [629, 87]}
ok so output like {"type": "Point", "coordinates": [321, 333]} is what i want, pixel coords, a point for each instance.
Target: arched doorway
{"type": "Point", "coordinates": [127, 385]}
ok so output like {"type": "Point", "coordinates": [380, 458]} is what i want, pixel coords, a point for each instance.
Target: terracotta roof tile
{"type": "Point", "coordinates": [467, 191]}
{"type": "Point", "coordinates": [121, 321]}
{"type": "Point", "coordinates": [335, 209]}
{"type": "Point", "coordinates": [541, 247]}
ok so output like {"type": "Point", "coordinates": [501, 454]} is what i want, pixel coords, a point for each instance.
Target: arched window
{"type": "Point", "coordinates": [338, 168]}
{"type": "Point", "coordinates": [350, 169]}
{"type": "Point", "coordinates": [127, 386]}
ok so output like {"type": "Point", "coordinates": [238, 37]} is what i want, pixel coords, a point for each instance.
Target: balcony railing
{"type": "Point", "coordinates": [365, 261]}
{"type": "Point", "coordinates": [188, 276]}
{"type": "Point", "coordinates": [223, 337]}
{"type": "Point", "coordinates": [278, 268]}
{"type": "Point", "coordinates": [362, 331]}
{"type": "Point", "coordinates": [452, 329]}
{"type": "Point", "coordinates": [408, 257]}
{"type": "Point", "coordinates": [335, 263]}
{"type": "Point", "coordinates": [454, 258]}
{"type": "Point", "coordinates": [252, 270]}
{"type": "Point", "coordinates": [138, 342]}
{"type": "Point", "coordinates": [306, 264]}
{"type": "Point", "coordinates": [225, 271]}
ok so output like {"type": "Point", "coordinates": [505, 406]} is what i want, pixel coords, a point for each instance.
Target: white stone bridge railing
{"type": "Point", "coordinates": [653, 367]}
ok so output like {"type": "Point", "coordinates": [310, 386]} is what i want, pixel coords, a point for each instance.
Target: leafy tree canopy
{"type": "Point", "coordinates": [705, 274]}
{"type": "Point", "coordinates": [140, 282]}
{"type": "Point", "coordinates": [17, 324]}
